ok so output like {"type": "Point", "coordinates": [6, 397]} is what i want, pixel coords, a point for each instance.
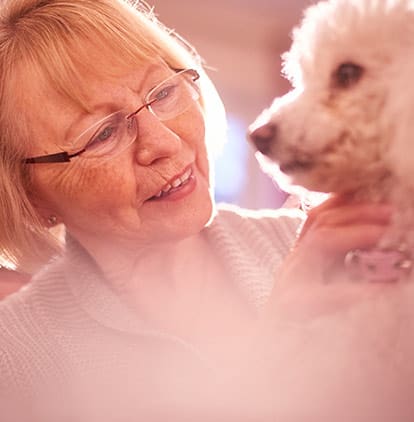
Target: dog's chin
{"type": "Point", "coordinates": [296, 166]}
{"type": "Point", "coordinates": [320, 181]}
{"type": "Point", "coordinates": [300, 176]}
{"type": "Point", "coordinates": [290, 176]}
{"type": "Point", "coordinates": [288, 167]}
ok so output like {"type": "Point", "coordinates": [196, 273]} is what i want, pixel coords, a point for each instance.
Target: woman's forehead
{"type": "Point", "coordinates": [84, 89]}
{"type": "Point", "coordinates": [53, 113]}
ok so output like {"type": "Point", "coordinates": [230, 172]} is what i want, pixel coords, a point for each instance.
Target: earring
{"type": "Point", "coordinates": [52, 220]}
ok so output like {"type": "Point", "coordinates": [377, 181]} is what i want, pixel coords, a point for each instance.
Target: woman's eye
{"type": "Point", "coordinates": [164, 92]}
{"type": "Point", "coordinates": [103, 136]}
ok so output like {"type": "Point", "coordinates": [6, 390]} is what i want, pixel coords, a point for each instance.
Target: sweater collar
{"type": "Point", "coordinates": [239, 255]}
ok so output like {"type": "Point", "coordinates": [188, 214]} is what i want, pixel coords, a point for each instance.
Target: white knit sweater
{"type": "Point", "coordinates": [67, 332]}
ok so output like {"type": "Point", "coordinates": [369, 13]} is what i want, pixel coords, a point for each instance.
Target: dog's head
{"type": "Point", "coordinates": [349, 119]}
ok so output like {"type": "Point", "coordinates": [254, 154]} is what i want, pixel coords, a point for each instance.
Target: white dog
{"type": "Point", "coordinates": [348, 127]}
{"type": "Point", "coordinates": [348, 124]}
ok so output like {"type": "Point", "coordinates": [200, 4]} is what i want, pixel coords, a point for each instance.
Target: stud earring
{"type": "Point", "coordinates": [52, 220]}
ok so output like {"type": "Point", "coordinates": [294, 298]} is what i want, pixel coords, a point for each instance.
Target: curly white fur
{"type": "Point", "coordinates": [347, 127]}
{"type": "Point", "coordinates": [353, 138]}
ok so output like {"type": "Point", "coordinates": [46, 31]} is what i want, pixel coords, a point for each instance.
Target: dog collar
{"type": "Point", "coordinates": [378, 265]}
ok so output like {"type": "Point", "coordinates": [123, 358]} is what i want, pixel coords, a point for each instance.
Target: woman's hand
{"type": "Point", "coordinates": [312, 281]}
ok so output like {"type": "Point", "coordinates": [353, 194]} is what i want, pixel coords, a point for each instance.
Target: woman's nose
{"type": "Point", "coordinates": [155, 140]}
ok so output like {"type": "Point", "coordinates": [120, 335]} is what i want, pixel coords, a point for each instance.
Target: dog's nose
{"type": "Point", "coordinates": [263, 136]}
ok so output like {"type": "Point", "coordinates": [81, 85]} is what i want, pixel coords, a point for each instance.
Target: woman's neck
{"type": "Point", "coordinates": [182, 288]}
{"type": "Point", "coordinates": [159, 280]}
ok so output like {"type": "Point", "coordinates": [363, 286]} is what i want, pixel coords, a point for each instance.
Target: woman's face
{"type": "Point", "coordinates": [115, 199]}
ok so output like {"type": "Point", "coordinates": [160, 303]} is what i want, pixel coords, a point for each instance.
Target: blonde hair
{"type": "Point", "coordinates": [54, 39]}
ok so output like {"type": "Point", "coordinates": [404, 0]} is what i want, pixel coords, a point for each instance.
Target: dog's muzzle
{"type": "Point", "coordinates": [378, 265]}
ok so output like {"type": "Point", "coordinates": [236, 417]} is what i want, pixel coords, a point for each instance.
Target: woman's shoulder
{"type": "Point", "coordinates": [17, 334]}
{"type": "Point", "coordinates": [252, 245]}
{"type": "Point", "coordinates": [255, 232]}
{"type": "Point", "coordinates": [27, 341]}
{"type": "Point", "coordinates": [283, 223]}
{"type": "Point", "coordinates": [289, 212]}
{"type": "Point", "coordinates": [22, 313]}
{"type": "Point", "coordinates": [17, 318]}
{"type": "Point", "coordinates": [13, 311]}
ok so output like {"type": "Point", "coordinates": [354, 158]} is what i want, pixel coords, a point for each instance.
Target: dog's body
{"type": "Point", "coordinates": [348, 124]}
{"type": "Point", "coordinates": [348, 127]}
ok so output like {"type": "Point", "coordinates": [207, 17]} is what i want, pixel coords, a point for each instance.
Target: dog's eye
{"type": "Point", "coordinates": [347, 74]}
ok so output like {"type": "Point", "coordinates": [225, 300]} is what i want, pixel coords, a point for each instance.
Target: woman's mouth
{"type": "Point", "coordinates": [176, 184]}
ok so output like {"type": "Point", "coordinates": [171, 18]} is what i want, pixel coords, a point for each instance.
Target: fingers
{"type": "Point", "coordinates": [350, 214]}
{"type": "Point", "coordinates": [312, 280]}
{"type": "Point", "coordinates": [337, 214]}
{"type": "Point", "coordinates": [334, 228]}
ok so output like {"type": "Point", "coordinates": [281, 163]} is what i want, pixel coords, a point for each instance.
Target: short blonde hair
{"type": "Point", "coordinates": [53, 39]}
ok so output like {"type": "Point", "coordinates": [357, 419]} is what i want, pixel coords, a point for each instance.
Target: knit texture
{"type": "Point", "coordinates": [67, 326]}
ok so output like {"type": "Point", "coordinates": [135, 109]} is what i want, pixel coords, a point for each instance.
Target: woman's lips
{"type": "Point", "coordinates": [176, 184]}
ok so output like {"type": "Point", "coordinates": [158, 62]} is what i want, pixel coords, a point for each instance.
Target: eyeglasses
{"type": "Point", "coordinates": [116, 132]}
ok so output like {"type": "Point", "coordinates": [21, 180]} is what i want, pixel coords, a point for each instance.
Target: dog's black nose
{"type": "Point", "coordinates": [263, 136]}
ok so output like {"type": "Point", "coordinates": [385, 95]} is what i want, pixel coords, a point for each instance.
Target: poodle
{"type": "Point", "coordinates": [347, 125]}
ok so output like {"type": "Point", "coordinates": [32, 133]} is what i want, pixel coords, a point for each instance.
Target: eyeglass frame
{"type": "Point", "coordinates": [65, 156]}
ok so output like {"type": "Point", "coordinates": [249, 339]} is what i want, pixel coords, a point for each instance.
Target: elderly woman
{"type": "Point", "coordinates": [153, 298]}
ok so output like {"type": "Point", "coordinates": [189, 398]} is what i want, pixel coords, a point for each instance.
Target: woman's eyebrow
{"type": "Point", "coordinates": [101, 110]}
{"type": "Point", "coordinates": [78, 124]}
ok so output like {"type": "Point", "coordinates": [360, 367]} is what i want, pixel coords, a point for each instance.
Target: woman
{"type": "Point", "coordinates": [151, 305]}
